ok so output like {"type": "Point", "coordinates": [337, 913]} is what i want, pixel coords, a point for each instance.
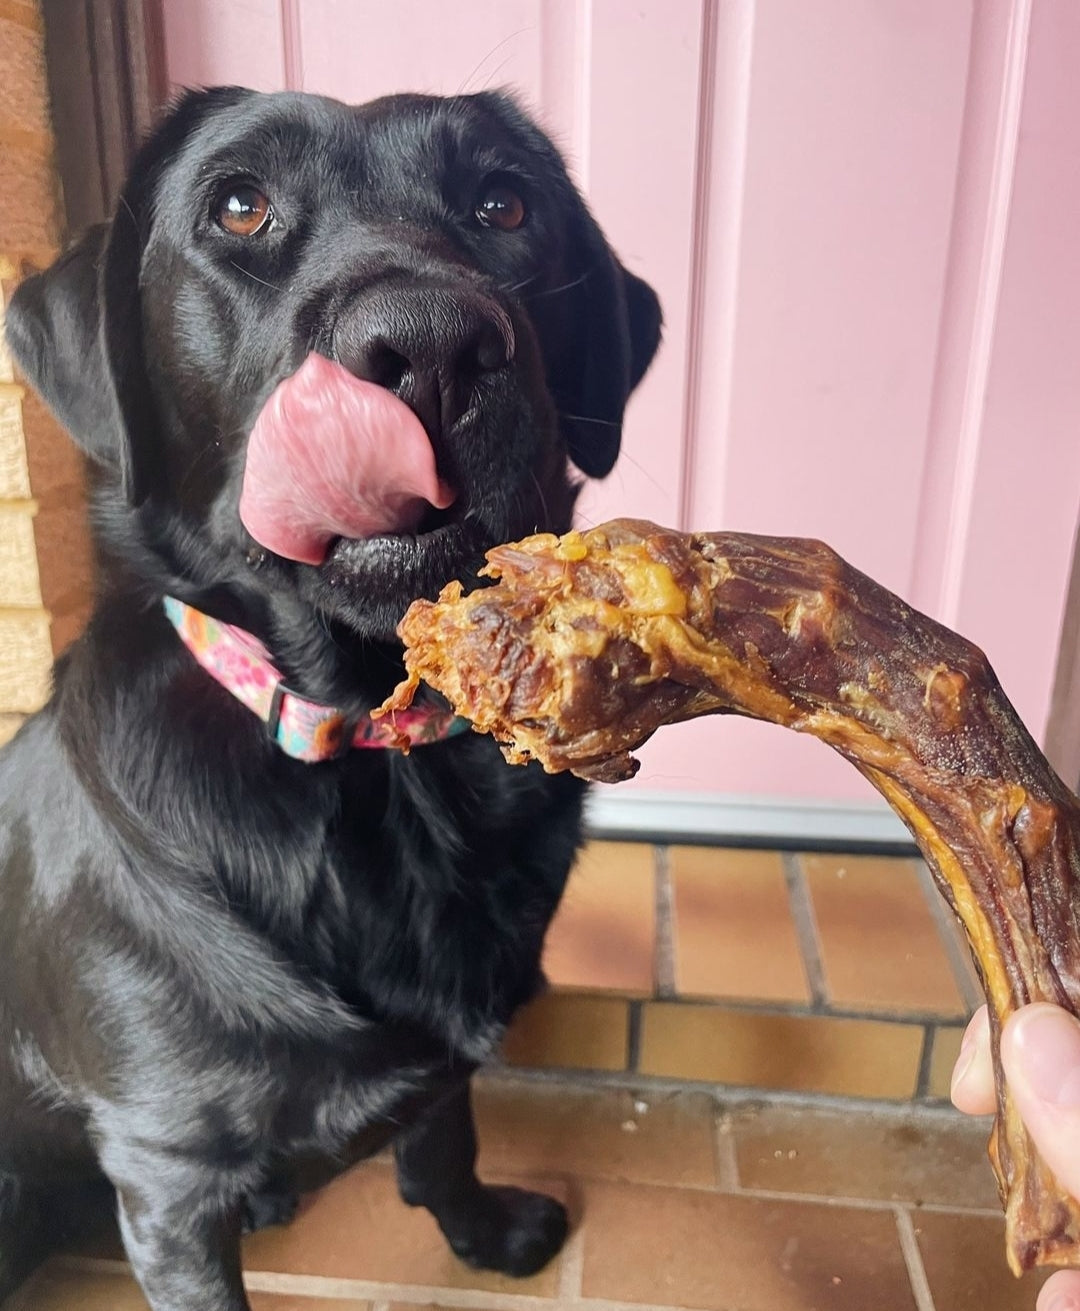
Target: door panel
{"type": "Point", "coordinates": [861, 217]}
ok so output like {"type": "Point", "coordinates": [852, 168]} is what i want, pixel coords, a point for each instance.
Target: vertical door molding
{"type": "Point", "coordinates": [984, 189]}
{"type": "Point", "coordinates": [106, 69]}
{"type": "Point", "coordinates": [716, 238]}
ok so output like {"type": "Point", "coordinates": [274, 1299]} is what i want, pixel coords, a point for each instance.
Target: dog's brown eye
{"type": "Point", "coordinates": [243, 210]}
{"type": "Point", "coordinates": [501, 207]}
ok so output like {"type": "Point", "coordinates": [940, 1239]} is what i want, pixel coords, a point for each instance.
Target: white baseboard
{"type": "Point", "coordinates": [688, 816]}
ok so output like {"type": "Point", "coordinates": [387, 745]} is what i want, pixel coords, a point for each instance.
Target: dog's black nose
{"type": "Point", "coordinates": [429, 345]}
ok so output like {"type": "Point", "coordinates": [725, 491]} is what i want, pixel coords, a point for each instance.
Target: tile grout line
{"type": "Point", "coordinates": [909, 1245]}
{"type": "Point", "coordinates": [571, 1268]}
{"type": "Point", "coordinates": [806, 929]}
{"type": "Point", "coordinates": [472, 1299]}
{"type": "Point", "coordinates": [633, 1036]}
{"type": "Point", "coordinates": [777, 1006]}
{"type": "Point", "coordinates": [926, 1056]}
{"type": "Point", "coordinates": [735, 1093]}
{"type": "Point", "coordinates": [666, 978]}
{"type": "Point", "coordinates": [946, 924]}
{"type": "Point", "coordinates": [725, 1096]}
{"type": "Point", "coordinates": [725, 1157]}
{"type": "Point", "coordinates": [383, 1294]}
{"type": "Point", "coordinates": [840, 1202]}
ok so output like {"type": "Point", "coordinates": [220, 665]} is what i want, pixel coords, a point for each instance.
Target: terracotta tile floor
{"type": "Point", "coordinates": [679, 1200]}
{"type": "Point", "coordinates": [844, 975]}
{"type": "Point", "coordinates": [737, 1084]}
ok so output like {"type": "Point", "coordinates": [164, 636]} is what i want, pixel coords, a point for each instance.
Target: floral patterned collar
{"type": "Point", "coordinates": [302, 728]}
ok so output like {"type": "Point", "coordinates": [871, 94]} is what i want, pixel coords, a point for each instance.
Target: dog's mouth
{"type": "Point", "coordinates": [333, 459]}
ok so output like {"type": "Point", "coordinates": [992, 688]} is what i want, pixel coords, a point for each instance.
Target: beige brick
{"type": "Point", "coordinates": [25, 660]}
{"type": "Point", "coordinates": [14, 473]}
{"type": "Point", "coordinates": [19, 583]}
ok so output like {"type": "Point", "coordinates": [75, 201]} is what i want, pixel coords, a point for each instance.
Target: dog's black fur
{"type": "Point", "coordinates": [218, 964]}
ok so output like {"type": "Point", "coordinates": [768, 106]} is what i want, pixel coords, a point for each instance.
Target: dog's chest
{"type": "Point", "coordinates": [454, 960]}
{"type": "Point", "coordinates": [435, 907]}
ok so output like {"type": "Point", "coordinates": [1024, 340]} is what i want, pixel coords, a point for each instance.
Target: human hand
{"type": "Point", "coordinates": [1040, 1055]}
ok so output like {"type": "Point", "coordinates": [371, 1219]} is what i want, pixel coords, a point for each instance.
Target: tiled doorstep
{"type": "Point", "coordinates": [604, 935]}
{"type": "Point", "coordinates": [678, 1201]}
{"type": "Point", "coordinates": [732, 930]}
{"type": "Point", "coordinates": [842, 975]}
{"type": "Point", "coordinates": [741, 1045]}
{"type": "Point", "coordinates": [851, 932]}
{"type": "Point", "coordinates": [879, 942]}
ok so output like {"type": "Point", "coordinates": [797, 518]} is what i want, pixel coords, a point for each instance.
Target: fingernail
{"type": "Point", "coordinates": [1041, 1045]}
{"type": "Point", "coordinates": [968, 1051]}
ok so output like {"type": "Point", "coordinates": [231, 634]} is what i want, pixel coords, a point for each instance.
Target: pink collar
{"type": "Point", "coordinates": [302, 728]}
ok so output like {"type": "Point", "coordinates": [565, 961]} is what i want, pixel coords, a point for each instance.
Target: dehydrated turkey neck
{"type": "Point", "coordinates": [590, 642]}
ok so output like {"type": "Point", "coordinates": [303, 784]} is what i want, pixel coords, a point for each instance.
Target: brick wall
{"type": "Point", "coordinates": [45, 571]}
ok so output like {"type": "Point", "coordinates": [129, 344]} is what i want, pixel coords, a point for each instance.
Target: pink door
{"type": "Point", "coordinates": [862, 219]}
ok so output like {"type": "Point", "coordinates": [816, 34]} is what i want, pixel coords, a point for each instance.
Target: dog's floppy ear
{"type": "Point", "coordinates": [76, 329]}
{"type": "Point", "coordinates": [75, 332]}
{"type": "Point", "coordinates": [617, 322]}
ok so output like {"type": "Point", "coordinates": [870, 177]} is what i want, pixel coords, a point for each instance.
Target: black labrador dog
{"type": "Point", "coordinates": [222, 962]}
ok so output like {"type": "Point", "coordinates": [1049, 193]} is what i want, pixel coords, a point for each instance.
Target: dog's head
{"type": "Point", "coordinates": [364, 338]}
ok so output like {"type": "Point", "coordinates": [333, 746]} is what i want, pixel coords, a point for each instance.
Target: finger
{"type": "Point", "coordinates": [1061, 1292]}
{"type": "Point", "coordinates": [973, 1078]}
{"type": "Point", "coordinates": [1040, 1053]}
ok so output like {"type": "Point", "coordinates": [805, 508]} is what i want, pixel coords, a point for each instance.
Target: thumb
{"type": "Point", "coordinates": [1040, 1054]}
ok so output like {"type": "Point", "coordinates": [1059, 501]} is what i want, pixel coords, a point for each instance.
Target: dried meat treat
{"type": "Point", "coordinates": [592, 641]}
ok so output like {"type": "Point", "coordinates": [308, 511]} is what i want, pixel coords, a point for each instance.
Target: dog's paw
{"type": "Point", "coordinates": [264, 1210]}
{"type": "Point", "coordinates": [509, 1230]}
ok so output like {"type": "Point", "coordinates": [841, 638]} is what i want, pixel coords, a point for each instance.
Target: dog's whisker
{"type": "Point", "coordinates": [202, 458]}
{"type": "Point", "coordinates": [124, 203]}
{"type": "Point", "coordinates": [660, 487]}
{"type": "Point", "coordinates": [566, 286]}
{"type": "Point", "coordinates": [248, 274]}
{"type": "Point", "coordinates": [464, 86]}
{"type": "Point", "coordinates": [541, 495]}
{"type": "Point", "coordinates": [585, 418]}
{"type": "Point", "coordinates": [519, 286]}
{"type": "Point", "coordinates": [496, 71]}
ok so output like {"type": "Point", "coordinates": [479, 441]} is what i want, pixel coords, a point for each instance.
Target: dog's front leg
{"type": "Point", "coordinates": [181, 1232]}
{"type": "Point", "coordinates": [504, 1229]}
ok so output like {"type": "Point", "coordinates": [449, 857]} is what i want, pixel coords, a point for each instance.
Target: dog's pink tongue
{"type": "Point", "coordinates": [332, 456]}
